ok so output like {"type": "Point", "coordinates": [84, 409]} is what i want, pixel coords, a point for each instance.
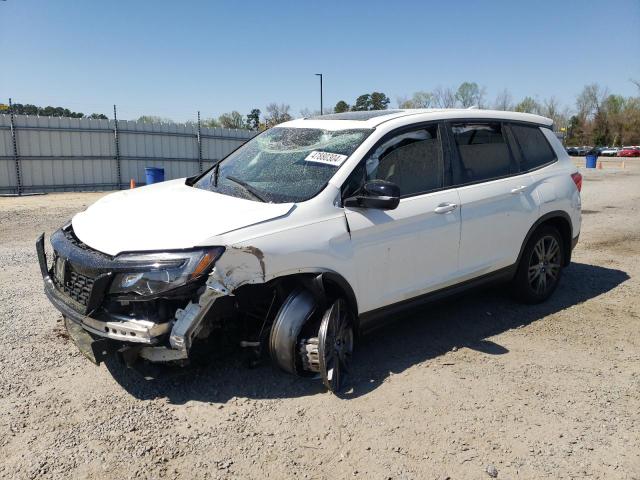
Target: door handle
{"type": "Point", "coordinates": [445, 208]}
{"type": "Point", "coordinates": [519, 189]}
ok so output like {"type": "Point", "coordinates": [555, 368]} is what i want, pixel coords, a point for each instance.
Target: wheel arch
{"type": "Point", "coordinates": [308, 294]}
{"type": "Point", "coordinates": [333, 282]}
{"type": "Point", "coordinates": [562, 222]}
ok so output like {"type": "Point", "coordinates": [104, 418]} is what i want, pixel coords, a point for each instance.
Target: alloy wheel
{"type": "Point", "coordinates": [335, 348]}
{"type": "Point", "coordinates": [544, 264]}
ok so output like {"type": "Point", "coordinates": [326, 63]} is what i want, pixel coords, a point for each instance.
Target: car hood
{"type": "Point", "coordinates": [166, 216]}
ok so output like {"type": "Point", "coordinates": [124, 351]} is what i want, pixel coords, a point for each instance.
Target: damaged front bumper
{"type": "Point", "coordinates": [97, 332]}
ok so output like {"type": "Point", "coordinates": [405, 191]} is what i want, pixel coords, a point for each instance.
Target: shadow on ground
{"type": "Point", "coordinates": [415, 337]}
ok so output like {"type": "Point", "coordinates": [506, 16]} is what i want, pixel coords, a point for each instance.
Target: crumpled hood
{"type": "Point", "coordinates": [166, 216]}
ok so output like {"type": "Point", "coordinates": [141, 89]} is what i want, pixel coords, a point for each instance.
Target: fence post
{"type": "Point", "coordinates": [199, 138]}
{"type": "Point", "coordinates": [117, 145]}
{"type": "Point", "coordinates": [14, 139]}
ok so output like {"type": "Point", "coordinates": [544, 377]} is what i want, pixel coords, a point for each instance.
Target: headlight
{"type": "Point", "coordinates": [154, 273]}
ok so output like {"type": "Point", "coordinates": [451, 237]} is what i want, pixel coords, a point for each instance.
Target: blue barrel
{"type": "Point", "coordinates": [592, 160]}
{"type": "Point", "coordinates": [154, 175]}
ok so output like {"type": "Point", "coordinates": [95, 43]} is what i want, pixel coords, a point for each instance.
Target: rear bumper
{"type": "Point", "coordinates": [574, 241]}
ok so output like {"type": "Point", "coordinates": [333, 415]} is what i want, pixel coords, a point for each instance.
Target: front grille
{"type": "Point", "coordinates": [73, 284]}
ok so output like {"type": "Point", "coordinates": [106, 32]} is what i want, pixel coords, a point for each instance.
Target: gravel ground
{"type": "Point", "coordinates": [471, 388]}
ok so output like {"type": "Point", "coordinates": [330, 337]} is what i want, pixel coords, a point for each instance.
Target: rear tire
{"type": "Point", "coordinates": [540, 266]}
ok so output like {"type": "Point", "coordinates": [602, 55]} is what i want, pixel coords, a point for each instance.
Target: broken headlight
{"type": "Point", "coordinates": [154, 273]}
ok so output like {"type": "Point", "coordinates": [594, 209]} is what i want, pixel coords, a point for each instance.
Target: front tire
{"type": "Point", "coordinates": [540, 266]}
{"type": "Point", "coordinates": [335, 345]}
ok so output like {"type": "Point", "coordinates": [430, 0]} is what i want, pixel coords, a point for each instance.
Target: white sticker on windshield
{"type": "Point", "coordinates": [327, 158]}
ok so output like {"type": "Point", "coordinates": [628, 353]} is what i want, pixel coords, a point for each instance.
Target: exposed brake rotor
{"type": "Point", "coordinates": [308, 350]}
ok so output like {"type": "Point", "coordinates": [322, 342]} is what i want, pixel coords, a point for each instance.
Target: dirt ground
{"type": "Point", "coordinates": [477, 383]}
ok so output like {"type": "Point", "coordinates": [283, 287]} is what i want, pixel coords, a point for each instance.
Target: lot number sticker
{"type": "Point", "coordinates": [327, 158]}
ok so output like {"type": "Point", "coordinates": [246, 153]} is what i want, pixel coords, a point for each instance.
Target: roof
{"type": "Point", "coordinates": [359, 115]}
{"type": "Point", "coordinates": [373, 118]}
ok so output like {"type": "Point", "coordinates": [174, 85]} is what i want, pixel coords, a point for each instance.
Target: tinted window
{"type": "Point", "coordinates": [483, 152]}
{"type": "Point", "coordinates": [411, 160]}
{"type": "Point", "coordinates": [536, 151]}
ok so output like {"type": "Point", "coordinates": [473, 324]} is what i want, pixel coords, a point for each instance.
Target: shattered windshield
{"type": "Point", "coordinates": [283, 164]}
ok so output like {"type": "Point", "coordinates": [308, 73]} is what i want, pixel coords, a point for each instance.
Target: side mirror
{"type": "Point", "coordinates": [378, 194]}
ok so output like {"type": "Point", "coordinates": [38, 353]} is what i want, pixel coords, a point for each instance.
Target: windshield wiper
{"type": "Point", "coordinates": [247, 188]}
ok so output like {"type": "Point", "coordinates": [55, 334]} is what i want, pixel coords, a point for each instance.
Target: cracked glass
{"type": "Point", "coordinates": [283, 164]}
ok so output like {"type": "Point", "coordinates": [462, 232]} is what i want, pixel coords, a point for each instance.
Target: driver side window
{"type": "Point", "coordinates": [412, 160]}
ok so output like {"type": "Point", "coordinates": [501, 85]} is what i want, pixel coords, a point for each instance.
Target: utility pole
{"type": "Point", "coordinates": [321, 110]}
{"type": "Point", "coordinates": [14, 141]}
{"type": "Point", "coordinates": [117, 147]}
{"type": "Point", "coordinates": [199, 140]}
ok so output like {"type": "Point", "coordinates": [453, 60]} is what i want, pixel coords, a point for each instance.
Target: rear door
{"type": "Point", "coordinates": [498, 203]}
{"type": "Point", "coordinates": [402, 253]}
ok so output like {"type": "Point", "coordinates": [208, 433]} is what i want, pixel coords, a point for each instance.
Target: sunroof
{"type": "Point", "coordinates": [360, 115]}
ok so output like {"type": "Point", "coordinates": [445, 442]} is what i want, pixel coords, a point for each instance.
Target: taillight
{"type": "Point", "coordinates": [577, 179]}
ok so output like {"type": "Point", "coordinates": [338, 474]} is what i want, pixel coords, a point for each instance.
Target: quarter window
{"type": "Point", "coordinates": [536, 151]}
{"type": "Point", "coordinates": [412, 160]}
{"type": "Point", "coordinates": [483, 152]}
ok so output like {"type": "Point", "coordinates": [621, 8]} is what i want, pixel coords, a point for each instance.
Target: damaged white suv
{"type": "Point", "coordinates": [315, 231]}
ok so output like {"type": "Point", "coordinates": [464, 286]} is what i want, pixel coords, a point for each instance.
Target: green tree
{"type": "Point", "coordinates": [29, 109]}
{"type": "Point", "coordinates": [363, 102]}
{"type": "Point", "coordinates": [469, 94]}
{"type": "Point", "coordinates": [418, 100]}
{"type": "Point", "coordinates": [231, 120]}
{"type": "Point", "coordinates": [601, 133]}
{"type": "Point", "coordinates": [379, 101]}
{"type": "Point", "coordinates": [210, 123]}
{"type": "Point", "coordinates": [58, 112]}
{"type": "Point", "coordinates": [253, 120]}
{"type": "Point", "coordinates": [341, 107]}
{"type": "Point", "coordinates": [631, 124]}
{"type": "Point", "coordinates": [528, 105]}
{"type": "Point", "coordinates": [153, 119]}
{"type": "Point", "coordinates": [98, 116]}
{"type": "Point", "coordinates": [614, 107]}
{"type": "Point", "coordinates": [371, 101]}
{"type": "Point", "coordinates": [575, 131]}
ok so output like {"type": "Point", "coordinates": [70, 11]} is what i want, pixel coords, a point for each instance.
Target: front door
{"type": "Point", "coordinates": [413, 249]}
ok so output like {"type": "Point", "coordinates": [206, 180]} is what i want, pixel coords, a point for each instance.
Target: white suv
{"type": "Point", "coordinates": [315, 231]}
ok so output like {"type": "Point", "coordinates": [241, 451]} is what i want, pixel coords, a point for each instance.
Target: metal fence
{"type": "Point", "coordinates": [47, 154]}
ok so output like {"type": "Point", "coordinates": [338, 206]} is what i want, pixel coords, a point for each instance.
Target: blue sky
{"type": "Point", "coordinates": [174, 58]}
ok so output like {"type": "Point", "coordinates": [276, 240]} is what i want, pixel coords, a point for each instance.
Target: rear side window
{"type": "Point", "coordinates": [483, 152]}
{"type": "Point", "coordinates": [536, 151]}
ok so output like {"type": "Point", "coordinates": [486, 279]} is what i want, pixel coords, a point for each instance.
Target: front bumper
{"type": "Point", "coordinates": [124, 330]}
{"type": "Point", "coordinates": [80, 295]}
